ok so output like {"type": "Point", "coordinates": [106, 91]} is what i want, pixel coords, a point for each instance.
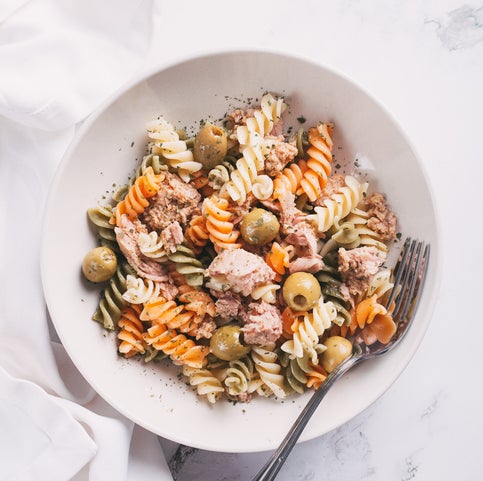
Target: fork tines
{"type": "Point", "coordinates": [409, 275]}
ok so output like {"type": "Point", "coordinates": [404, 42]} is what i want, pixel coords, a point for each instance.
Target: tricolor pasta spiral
{"type": "Point", "coordinates": [358, 218]}
{"type": "Point", "coordinates": [262, 121]}
{"type": "Point", "coordinates": [165, 142]}
{"type": "Point", "coordinates": [238, 376]}
{"type": "Point", "coordinates": [375, 321]}
{"type": "Point", "coordinates": [197, 233]}
{"type": "Point", "coordinates": [149, 160]}
{"type": "Point", "coordinates": [245, 178]}
{"type": "Point", "coordinates": [139, 290]}
{"type": "Point", "coordinates": [136, 199]}
{"type": "Point", "coordinates": [109, 309]}
{"type": "Point", "coordinates": [289, 179]}
{"type": "Point", "coordinates": [131, 332]}
{"type": "Point", "coordinates": [338, 205]}
{"type": "Point", "coordinates": [319, 161]}
{"type": "Point", "coordinates": [100, 216]}
{"type": "Point", "coordinates": [221, 230]}
{"type": "Point", "coordinates": [220, 175]}
{"type": "Point", "coordinates": [380, 284]}
{"type": "Point", "coordinates": [265, 361]}
{"type": "Point", "coordinates": [296, 371]}
{"type": "Point", "coordinates": [306, 333]}
{"type": "Point", "coordinates": [205, 382]}
{"type": "Point", "coordinates": [188, 265]}
{"type": "Point", "coordinates": [151, 245]}
{"type": "Point", "coordinates": [178, 347]}
{"type": "Point", "coordinates": [278, 258]}
{"type": "Point", "coordinates": [266, 292]}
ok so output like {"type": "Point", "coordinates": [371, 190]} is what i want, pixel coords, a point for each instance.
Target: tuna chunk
{"type": "Point", "coordinates": [126, 236]}
{"type": "Point", "coordinates": [290, 215]}
{"type": "Point", "coordinates": [172, 236]}
{"type": "Point", "coordinates": [334, 184]}
{"type": "Point", "coordinates": [239, 271]}
{"type": "Point", "coordinates": [228, 305]}
{"type": "Point", "coordinates": [280, 154]}
{"type": "Point", "coordinates": [382, 220]}
{"type": "Point", "coordinates": [304, 240]}
{"type": "Point", "coordinates": [175, 201]}
{"type": "Point", "coordinates": [241, 210]}
{"type": "Point", "coordinates": [204, 330]}
{"type": "Point", "coordinates": [238, 117]}
{"type": "Point", "coordinates": [263, 323]}
{"type": "Point", "coordinates": [358, 266]}
{"type": "Point", "coordinates": [306, 264]}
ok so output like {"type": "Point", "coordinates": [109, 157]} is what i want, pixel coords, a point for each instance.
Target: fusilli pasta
{"type": "Point", "coordinates": [166, 143]}
{"type": "Point", "coordinates": [260, 255]}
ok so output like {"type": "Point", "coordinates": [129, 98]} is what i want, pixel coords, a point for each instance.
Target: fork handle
{"type": "Point", "coordinates": [274, 464]}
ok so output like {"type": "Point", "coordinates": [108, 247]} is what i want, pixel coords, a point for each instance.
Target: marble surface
{"type": "Point", "coordinates": [424, 61]}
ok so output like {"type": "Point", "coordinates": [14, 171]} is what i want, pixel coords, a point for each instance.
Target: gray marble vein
{"type": "Point", "coordinates": [461, 29]}
{"type": "Point", "coordinates": [176, 463]}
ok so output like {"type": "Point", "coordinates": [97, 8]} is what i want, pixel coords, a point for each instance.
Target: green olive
{"type": "Point", "coordinates": [99, 264]}
{"type": "Point", "coordinates": [301, 291]}
{"type": "Point", "coordinates": [226, 344]}
{"type": "Point", "coordinates": [259, 227]}
{"type": "Point", "coordinates": [338, 349]}
{"type": "Point", "coordinates": [210, 146]}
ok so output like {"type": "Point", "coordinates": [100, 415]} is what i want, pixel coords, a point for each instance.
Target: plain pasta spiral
{"type": "Point", "coordinates": [339, 205]}
{"type": "Point", "coordinates": [166, 143]}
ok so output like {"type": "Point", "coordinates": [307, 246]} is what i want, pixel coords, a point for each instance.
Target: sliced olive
{"type": "Point", "coordinates": [301, 291]}
{"type": "Point", "coordinates": [99, 264]}
{"type": "Point", "coordinates": [259, 227]}
{"type": "Point", "coordinates": [210, 146]}
{"type": "Point", "coordinates": [226, 344]}
{"type": "Point", "coordinates": [338, 349]}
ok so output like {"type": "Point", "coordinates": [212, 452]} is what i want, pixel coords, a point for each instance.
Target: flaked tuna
{"type": "Point", "coordinates": [239, 271]}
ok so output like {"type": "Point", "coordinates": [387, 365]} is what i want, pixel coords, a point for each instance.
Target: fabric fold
{"type": "Point", "coordinates": [59, 60]}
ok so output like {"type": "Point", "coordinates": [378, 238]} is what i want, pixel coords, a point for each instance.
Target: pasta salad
{"type": "Point", "coordinates": [242, 256]}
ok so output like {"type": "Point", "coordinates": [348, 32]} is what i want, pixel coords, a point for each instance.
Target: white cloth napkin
{"type": "Point", "coordinates": [59, 59]}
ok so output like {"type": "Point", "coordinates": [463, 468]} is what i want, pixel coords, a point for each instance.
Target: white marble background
{"type": "Point", "coordinates": [424, 60]}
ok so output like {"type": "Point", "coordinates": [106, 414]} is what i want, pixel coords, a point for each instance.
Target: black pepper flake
{"type": "Point", "coordinates": [301, 119]}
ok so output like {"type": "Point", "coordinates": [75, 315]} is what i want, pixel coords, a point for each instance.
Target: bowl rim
{"type": "Point", "coordinates": [146, 74]}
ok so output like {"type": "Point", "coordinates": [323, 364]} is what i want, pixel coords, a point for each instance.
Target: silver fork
{"type": "Point", "coordinates": [409, 276]}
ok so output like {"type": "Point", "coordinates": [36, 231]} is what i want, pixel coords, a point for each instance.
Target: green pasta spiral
{"type": "Point", "coordinates": [330, 284]}
{"type": "Point", "coordinates": [238, 376]}
{"type": "Point", "coordinates": [188, 265]}
{"type": "Point", "coordinates": [295, 370]}
{"type": "Point", "coordinates": [109, 309]}
{"type": "Point", "coordinates": [151, 160]}
{"type": "Point", "coordinates": [100, 217]}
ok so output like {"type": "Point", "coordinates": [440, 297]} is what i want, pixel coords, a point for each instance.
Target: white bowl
{"type": "Point", "coordinates": [103, 155]}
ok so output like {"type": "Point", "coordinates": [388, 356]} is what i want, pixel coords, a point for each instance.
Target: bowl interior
{"type": "Point", "coordinates": [106, 151]}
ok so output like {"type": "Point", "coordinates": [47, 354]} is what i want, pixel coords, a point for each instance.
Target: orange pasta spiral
{"type": "Point", "coordinates": [218, 223]}
{"type": "Point", "coordinates": [316, 376]}
{"type": "Point", "coordinates": [290, 321]}
{"type": "Point", "coordinates": [278, 259]}
{"type": "Point", "coordinates": [319, 162]}
{"type": "Point", "coordinates": [161, 311]}
{"type": "Point", "coordinates": [289, 179]}
{"type": "Point", "coordinates": [178, 347]}
{"type": "Point", "coordinates": [197, 301]}
{"type": "Point", "coordinates": [136, 199]}
{"type": "Point", "coordinates": [131, 332]}
{"type": "Point", "coordinates": [197, 233]}
{"type": "Point", "coordinates": [200, 182]}
{"type": "Point", "coordinates": [375, 321]}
